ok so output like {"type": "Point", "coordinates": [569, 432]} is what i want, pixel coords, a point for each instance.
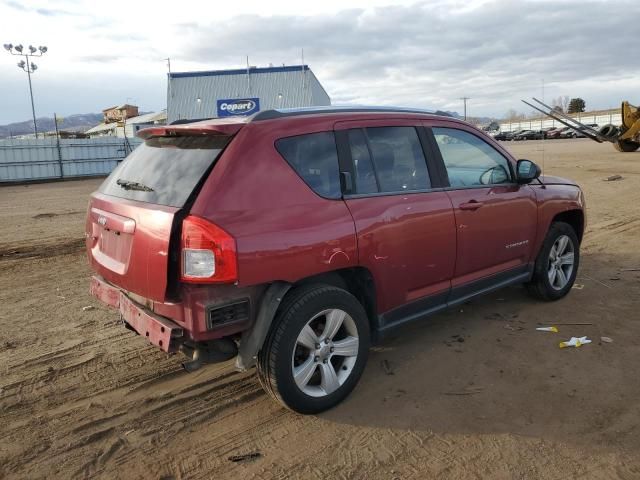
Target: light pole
{"type": "Point", "coordinates": [464, 99]}
{"type": "Point", "coordinates": [29, 67]}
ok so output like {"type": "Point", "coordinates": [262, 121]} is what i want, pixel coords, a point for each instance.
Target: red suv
{"type": "Point", "coordinates": [292, 239]}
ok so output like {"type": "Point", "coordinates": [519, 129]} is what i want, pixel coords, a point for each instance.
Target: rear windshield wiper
{"type": "Point", "coordinates": [130, 185]}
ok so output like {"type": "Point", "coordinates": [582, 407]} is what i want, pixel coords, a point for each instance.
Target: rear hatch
{"type": "Point", "coordinates": [131, 217]}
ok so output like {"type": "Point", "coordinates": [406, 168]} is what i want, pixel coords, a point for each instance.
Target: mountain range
{"type": "Point", "coordinates": [77, 123]}
{"type": "Point", "coordinates": [81, 122]}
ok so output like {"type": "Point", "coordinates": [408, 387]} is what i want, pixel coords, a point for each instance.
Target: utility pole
{"type": "Point", "coordinates": [168, 86]}
{"type": "Point", "coordinates": [55, 122]}
{"type": "Point", "coordinates": [29, 67]}
{"type": "Point", "coordinates": [464, 99]}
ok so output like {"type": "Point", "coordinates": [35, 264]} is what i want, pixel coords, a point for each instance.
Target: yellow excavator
{"type": "Point", "coordinates": [625, 138]}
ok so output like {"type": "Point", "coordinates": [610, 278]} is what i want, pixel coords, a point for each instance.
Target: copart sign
{"type": "Point", "coordinates": [238, 106]}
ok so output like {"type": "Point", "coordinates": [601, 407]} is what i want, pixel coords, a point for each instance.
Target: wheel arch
{"type": "Point", "coordinates": [575, 218]}
{"type": "Point", "coordinates": [358, 281]}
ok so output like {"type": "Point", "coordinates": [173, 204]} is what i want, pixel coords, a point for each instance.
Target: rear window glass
{"type": "Point", "coordinates": [164, 170]}
{"type": "Point", "coordinates": [315, 158]}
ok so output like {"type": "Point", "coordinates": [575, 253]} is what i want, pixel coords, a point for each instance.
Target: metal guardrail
{"type": "Point", "coordinates": [48, 158]}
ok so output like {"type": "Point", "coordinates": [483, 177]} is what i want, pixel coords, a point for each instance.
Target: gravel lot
{"type": "Point", "coordinates": [81, 396]}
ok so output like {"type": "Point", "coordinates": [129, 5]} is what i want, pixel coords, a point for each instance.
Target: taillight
{"type": "Point", "coordinates": [208, 253]}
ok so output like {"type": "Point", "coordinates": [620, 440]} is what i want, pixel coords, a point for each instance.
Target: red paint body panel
{"type": "Point", "coordinates": [408, 244]}
{"type": "Point", "coordinates": [496, 226]}
{"type": "Point", "coordinates": [554, 199]}
{"type": "Point", "coordinates": [130, 247]}
{"type": "Point", "coordinates": [283, 230]}
{"type": "Point", "coordinates": [501, 231]}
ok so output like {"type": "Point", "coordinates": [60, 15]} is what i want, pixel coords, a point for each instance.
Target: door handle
{"type": "Point", "coordinates": [470, 205]}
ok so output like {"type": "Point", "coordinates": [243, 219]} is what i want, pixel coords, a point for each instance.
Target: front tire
{"type": "Point", "coordinates": [557, 264]}
{"type": "Point", "coordinates": [316, 350]}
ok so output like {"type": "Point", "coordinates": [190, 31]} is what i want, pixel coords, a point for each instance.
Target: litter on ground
{"type": "Point", "coordinates": [575, 342]}
{"type": "Point", "coordinates": [548, 329]}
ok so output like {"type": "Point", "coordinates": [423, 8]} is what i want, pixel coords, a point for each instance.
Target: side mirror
{"type": "Point", "coordinates": [527, 171]}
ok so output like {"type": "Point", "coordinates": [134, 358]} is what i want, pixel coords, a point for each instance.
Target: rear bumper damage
{"type": "Point", "coordinates": [159, 331]}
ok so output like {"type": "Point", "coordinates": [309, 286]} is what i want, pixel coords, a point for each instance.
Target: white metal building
{"type": "Point", "coordinates": [225, 93]}
{"type": "Point", "coordinates": [130, 127]}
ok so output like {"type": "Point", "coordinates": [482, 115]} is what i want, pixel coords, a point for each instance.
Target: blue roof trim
{"type": "Point", "coordinates": [240, 71]}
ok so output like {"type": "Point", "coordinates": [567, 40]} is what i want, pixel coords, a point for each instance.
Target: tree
{"type": "Point", "coordinates": [576, 105]}
{"type": "Point", "coordinates": [514, 116]}
{"type": "Point", "coordinates": [560, 104]}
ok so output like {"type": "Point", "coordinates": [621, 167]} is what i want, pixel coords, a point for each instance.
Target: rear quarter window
{"type": "Point", "coordinates": [314, 157]}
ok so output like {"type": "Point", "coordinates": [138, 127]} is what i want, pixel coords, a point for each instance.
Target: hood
{"type": "Point", "coordinates": [553, 180]}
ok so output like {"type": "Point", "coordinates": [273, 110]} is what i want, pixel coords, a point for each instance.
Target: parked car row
{"type": "Point", "coordinates": [546, 133]}
{"type": "Point", "coordinates": [520, 135]}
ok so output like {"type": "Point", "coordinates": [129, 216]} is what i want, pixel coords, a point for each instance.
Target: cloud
{"type": "Point", "coordinates": [15, 5]}
{"type": "Point", "coordinates": [432, 53]}
{"type": "Point", "coordinates": [46, 12]}
{"type": "Point", "coordinates": [98, 58]}
{"type": "Point", "coordinates": [426, 54]}
{"type": "Point", "coordinates": [50, 12]}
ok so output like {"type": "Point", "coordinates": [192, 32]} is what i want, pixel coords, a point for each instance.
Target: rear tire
{"type": "Point", "coordinates": [316, 350]}
{"type": "Point", "coordinates": [557, 264]}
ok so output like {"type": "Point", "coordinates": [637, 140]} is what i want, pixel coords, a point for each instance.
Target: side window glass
{"type": "Point", "coordinates": [398, 159]}
{"type": "Point", "coordinates": [363, 168]}
{"type": "Point", "coordinates": [315, 158]}
{"type": "Point", "coordinates": [469, 160]}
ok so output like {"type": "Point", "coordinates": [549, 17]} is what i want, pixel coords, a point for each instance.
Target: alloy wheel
{"type": "Point", "coordinates": [325, 353]}
{"type": "Point", "coordinates": [561, 261]}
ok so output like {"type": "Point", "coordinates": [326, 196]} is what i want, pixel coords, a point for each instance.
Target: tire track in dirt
{"type": "Point", "coordinates": [114, 407]}
{"type": "Point", "coordinates": [612, 227]}
{"type": "Point", "coordinates": [177, 405]}
{"type": "Point", "coordinates": [41, 250]}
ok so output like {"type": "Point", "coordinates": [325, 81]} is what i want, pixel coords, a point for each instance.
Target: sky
{"type": "Point", "coordinates": [420, 54]}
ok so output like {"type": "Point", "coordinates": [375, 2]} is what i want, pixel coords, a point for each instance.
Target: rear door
{"type": "Point", "coordinates": [130, 218]}
{"type": "Point", "coordinates": [496, 218]}
{"type": "Point", "coordinates": [404, 222]}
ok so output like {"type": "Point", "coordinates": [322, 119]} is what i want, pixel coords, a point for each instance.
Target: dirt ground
{"type": "Point", "coordinates": [82, 397]}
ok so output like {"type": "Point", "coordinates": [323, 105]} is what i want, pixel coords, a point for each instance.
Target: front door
{"type": "Point", "coordinates": [405, 226]}
{"type": "Point", "coordinates": [495, 217]}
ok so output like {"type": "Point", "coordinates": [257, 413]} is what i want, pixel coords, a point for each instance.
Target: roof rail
{"type": "Point", "coordinates": [292, 112]}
